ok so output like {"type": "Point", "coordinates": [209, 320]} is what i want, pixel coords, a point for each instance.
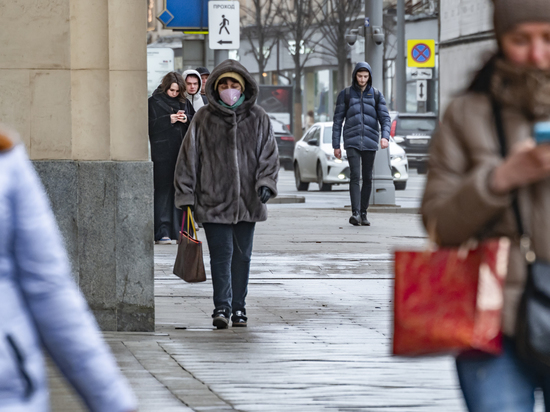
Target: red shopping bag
{"type": "Point", "coordinates": [449, 300]}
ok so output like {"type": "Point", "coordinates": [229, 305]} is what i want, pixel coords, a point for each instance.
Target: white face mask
{"type": "Point", "coordinates": [230, 96]}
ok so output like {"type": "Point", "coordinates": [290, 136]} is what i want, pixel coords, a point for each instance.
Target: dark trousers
{"type": "Point", "coordinates": [167, 217]}
{"type": "Point", "coordinates": [360, 196]}
{"type": "Point", "coordinates": [230, 249]}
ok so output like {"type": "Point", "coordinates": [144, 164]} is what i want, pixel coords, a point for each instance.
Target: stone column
{"type": "Point", "coordinates": [73, 82]}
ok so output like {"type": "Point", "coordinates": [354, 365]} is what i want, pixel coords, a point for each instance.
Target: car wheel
{"type": "Point", "coordinates": [323, 187]}
{"type": "Point", "coordinates": [300, 186]}
{"type": "Point", "coordinates": [400, 185]}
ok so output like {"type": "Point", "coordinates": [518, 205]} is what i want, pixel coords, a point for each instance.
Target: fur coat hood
{"type": "Point", "coordinates": [195, 99]}
{"type": "Point", "coordinates": [226, 156]}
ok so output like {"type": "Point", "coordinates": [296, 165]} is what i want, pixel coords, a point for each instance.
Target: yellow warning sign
{"type": "Point", "coordinates": [421, 53]}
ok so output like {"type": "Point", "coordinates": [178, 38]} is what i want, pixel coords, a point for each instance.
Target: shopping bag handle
{"type": "Point", "coordinates": [189, 217]}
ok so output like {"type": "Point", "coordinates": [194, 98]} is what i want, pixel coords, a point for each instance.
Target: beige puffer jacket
{"type": "Point", "coordinates": [464, 152]}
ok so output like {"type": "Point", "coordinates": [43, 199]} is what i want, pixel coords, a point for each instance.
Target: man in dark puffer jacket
{"type": "Point", "coordinates": [366, 107]}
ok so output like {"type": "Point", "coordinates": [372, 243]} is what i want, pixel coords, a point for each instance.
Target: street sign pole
{"type": "Point", "coordinates": [383, 190]}
{"type": "Point", "coordinates": [220, 56]}
{"type": "Point", "coordinates": [400, 73]}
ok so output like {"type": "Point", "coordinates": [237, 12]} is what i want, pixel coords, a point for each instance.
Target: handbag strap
{"type": "Point", "coordinates": [188, 216]}
{"type": "Point", "coordinates": [525, 240]}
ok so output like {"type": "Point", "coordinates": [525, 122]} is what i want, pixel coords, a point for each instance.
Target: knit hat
{"type": "Point", "coordinates": [233, 75]}
{"type": "Point", "coordinates": [508, 13]}
{"type": "Point", "coordinates": [202, 70]}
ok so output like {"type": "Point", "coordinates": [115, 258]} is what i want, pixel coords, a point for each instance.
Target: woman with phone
{"type": "Point", "coordinates": [169, 116]}
{"type": "Point", "coordinates": [474, 179]}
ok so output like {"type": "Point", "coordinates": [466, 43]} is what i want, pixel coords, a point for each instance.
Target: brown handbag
{"type": "Point", "coordinates": [189, 264]}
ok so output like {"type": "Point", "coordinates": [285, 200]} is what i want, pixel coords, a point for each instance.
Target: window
{"type": "Point", "coordinates": [309, 135]}
{"type": "Point", "coordinates": [415, 125]}
{"type": "Point", "coordinates": [316, 134]}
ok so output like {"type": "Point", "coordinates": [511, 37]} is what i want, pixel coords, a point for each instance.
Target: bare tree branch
{"type": "Point", "coordinates": [334, 21]}
{"type": "Point", "coordinates": [259, 27]}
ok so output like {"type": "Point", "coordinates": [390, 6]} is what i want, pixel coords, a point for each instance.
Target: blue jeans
{"type": "Point", "coordinates": [230, 249]}
{"type": "Point", "coordinates": [502, 383]}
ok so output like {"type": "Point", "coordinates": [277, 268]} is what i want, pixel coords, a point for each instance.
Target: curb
{"type": "Point", "coordinates": [286, 199]}
{"type": "Point", "coordinates": [387, 209]}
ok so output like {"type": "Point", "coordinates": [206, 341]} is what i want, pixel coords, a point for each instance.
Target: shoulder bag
{"type": "Point", "coordinates": [189, 263]}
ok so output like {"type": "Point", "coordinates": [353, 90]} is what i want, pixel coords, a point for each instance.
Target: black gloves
{"type": "Point", "coordinates": [264, 193]}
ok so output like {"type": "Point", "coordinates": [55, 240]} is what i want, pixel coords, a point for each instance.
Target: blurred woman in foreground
{"type": "Point", "coordinates": [470, 187]}
{"type": "Point", "coordinates": [40, 305]}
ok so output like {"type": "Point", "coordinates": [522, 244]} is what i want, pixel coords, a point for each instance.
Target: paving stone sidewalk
{"type": "Point", "coordinates": [318, 339]}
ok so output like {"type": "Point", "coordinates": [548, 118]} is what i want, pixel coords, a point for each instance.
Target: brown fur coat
{"type": "Point", "coordinates": [226, 156]}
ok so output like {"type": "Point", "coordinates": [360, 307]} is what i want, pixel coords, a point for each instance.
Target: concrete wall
{"type": "Point", "coordinates": [466, 42]}
{"type": "Point", "coordinates": [73, 82]}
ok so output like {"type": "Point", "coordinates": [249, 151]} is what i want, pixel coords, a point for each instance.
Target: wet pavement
{"type": "Point", "coordinates": [318, 339]}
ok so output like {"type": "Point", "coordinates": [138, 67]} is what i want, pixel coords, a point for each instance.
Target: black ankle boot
{"type": "Point", "coordinates": [221, 318]}
{"type": "Point", "coordinates": [355, 220]}
{"type": "Point", "coordinates": [364, 220]}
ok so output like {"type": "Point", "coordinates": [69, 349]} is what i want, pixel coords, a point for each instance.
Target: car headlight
{"type": "Point", "coordinates": [398, 139]}
{"type": "Point", "coordinates": [396, 158]}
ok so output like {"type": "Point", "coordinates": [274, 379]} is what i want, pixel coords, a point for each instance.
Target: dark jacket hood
{"type": "Point", "coordinates": [160, 94]}
{"type": "Point", "coordinates": [250, 88]}
{"type": "Point", "coordinates": [359, 66]}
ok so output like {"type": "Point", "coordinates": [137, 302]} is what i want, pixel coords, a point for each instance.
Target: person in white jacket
{"type": "Point", "coordinates": [40, 305]}
{"type": "Point", "coordinates": [193, 86]}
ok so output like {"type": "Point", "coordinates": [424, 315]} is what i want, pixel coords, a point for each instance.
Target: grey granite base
{"type": "Point", "coordinates": [105, 213]}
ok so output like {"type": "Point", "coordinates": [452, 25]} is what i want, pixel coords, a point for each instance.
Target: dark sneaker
{"type": "Point", "coordinates": [221, 319]}
{"type": "Point", "coordinates": [355, 219]}
{"type": "Point", "coordinates": [364, 220]}
{"type": "Point", "coordinates": [239, 319]}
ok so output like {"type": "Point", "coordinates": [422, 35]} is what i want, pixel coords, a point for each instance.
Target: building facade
{"type": "Point", "coordinates": [467, 40]}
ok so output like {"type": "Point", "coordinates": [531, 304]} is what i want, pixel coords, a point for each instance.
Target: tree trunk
{"type": "Point", "coordinates": [297, 101]}
{"type": "Point", "coordinates": [261, 68]}
{"type": "Point", "coordinates": [342, 69]}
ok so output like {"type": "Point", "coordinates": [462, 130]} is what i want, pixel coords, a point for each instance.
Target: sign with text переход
{"type": "Point", "coordinates": [223, 25]}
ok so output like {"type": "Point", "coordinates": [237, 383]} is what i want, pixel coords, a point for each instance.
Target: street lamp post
{"type": "Point", "coordinates": [383, 190]}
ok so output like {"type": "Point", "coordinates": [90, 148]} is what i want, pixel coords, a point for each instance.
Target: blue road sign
{"type": "Point", "coordinates": [187, 15]}
{"type": "Point", "coordinates": [421, 53]}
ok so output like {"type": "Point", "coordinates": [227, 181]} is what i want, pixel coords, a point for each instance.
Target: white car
{"type": "Point", "coordinates": [314, 160]}
{"type": "Point", "coordinates": [399, 165]}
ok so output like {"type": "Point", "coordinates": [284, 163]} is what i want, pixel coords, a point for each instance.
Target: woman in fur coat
{"type": "Point", "coordinates": [226, 171]}
{"type": "Point", "coordinates": [169, 116]}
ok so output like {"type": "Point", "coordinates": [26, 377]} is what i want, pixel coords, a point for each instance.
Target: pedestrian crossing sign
{"type": "Point", "coordinates": [223, 25]}
{"type": "Point", "coordinates": [421, 53]}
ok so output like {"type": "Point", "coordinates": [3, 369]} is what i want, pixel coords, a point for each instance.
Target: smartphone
{"type": "Point", "coordinates": [541, 132]}
{"type": "Point", "coordinates": [181, 111]}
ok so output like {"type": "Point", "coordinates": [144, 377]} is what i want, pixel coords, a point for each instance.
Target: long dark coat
{"type": "Point", "coordinates": [166, 139]}
{"type": "Point", "coordinates": [226, 156]}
